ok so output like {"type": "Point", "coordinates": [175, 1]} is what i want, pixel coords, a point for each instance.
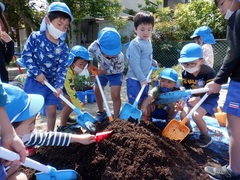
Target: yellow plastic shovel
{"type": "Point", "coordinates": [177, 130]}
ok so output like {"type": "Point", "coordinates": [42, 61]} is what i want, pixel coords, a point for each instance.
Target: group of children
{"type": "Point", "coordinates": [47, 58]}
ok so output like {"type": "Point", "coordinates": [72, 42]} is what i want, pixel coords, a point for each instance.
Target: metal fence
{"type": "Point", "coordinates": [167, 53]}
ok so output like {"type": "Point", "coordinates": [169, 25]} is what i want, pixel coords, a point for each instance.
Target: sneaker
{"type": "Point", "coordinates": [65, 129]}
{"type": "Point", "coordinates": [71, 121]}
{"type": "Point", "coordinates": [204, 141]}
{"type": "Point", "coordinates": [101, 116]}
{"type": "Point", "coordinates": [30, 150]}
{"type": "Point", "coordinates": [220, 173]}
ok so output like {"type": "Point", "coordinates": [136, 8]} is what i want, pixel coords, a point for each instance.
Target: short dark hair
{"type": "Point", "coordinates": [216, 2]}
{"type": "Point", "coordinates": [58, 14]}
{"type": "Point", "coordinates": [143, 17]}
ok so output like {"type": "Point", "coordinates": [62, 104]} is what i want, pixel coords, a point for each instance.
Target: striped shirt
{"type": "Point", "coordinates": [47, 139]}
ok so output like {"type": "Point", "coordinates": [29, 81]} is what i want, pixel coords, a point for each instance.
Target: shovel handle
{"type": "Point", "coordinates": [202, 90]}
{"type": "Point", "coordinates": [142, 89]}
{"type": "Point", "coordinates": [12, 156]}
{"type": "Point", "coordinates": [194, 109]}
{"type": "Point", "coordinates": [94, 70]}
{"type": "Point", "coordinates": [63, 98]}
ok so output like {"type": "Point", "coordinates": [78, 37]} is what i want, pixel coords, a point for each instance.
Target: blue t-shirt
{"type": "Point", "coordinates": [40, 55]}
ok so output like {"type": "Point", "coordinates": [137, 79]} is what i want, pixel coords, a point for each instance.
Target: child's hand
{"type": "Point", "coordinates": [41, 78]}
{"type": "Point", "coordinates": [193, 101]}
{"type": "Point", "coordinates": [83, 138]}
{"type": "Point", "coordinates": [101, 72]}
{"type": "Point", "coordinates": [144, 83]}
{"type": "Point", "coordinates": [59, 91]}
{"type": "Point", "coordinates": [179, 105]}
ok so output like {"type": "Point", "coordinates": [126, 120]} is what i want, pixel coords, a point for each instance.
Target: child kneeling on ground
{"type": "Point", "coordinates": [168, 80]}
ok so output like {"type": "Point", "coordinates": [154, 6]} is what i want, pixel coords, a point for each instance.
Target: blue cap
{"type": "Point", "coordinates": [78, 51]}
{"type": "Point", "coordinates": [205, 33]}
{"type": "Point", "coordinates": [60, 6]}
{"type": "Point", "coordinates": [2, 6]}
{"type": "Point", "coordinates": [190, 52]}
{"type": "Point", "coordinates": [20, 62]}
{"type": "Point", "coordinates": [22, 106]}
{"type": "Point", "coordinates": [170, 74]}
{"type": "Point", "coordinates": [109, 41]}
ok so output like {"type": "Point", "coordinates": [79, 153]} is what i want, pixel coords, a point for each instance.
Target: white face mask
{"type": "Point", "coordinates": [192, 70]}
{"type": "Point", "coordinates": [229, 12]}
{"type": "Point", "coordinates": [77, 69]}
{"type": "Point", "coordinates": [54, 32]}
{"type": "Point", "coordinates": [85, 71]}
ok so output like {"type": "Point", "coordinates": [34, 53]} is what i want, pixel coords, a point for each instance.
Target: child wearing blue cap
{"type": "Point", "coordinates": [107, 50]}
{"type": "Point", "coordinates": [204, 38]}
{"type": "Point", "coordinates": [230, 9]}
{"type": "Point", "coordinates": [78, 60]}
{"type": "Point", "coordinates": [23, 118]}
{"type": "Point", "coordinates": [196, 74]}
{"type": "Point", "coordinates": [8, 136]}
{"type": "Point", "coordinates": [45, 56]}
{"type": "Point", "coordinates": [139, 54]}
{"type": "Point", "coordinates": [168, 81]}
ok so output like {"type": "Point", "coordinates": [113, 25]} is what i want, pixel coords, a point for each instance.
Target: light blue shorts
{"type": "Point", "coordinates": [114, 79]}
{"type": "Point", "coordinates": [32, 86]}
{"type": "Point", "coordinates": [133, 88]}
{"type": "Point", "coordinates": [232, 103]}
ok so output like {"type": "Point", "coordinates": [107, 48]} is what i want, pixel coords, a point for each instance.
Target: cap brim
{"type": "Point", "coordinates": [193, 36]}
{"type": "Point", "coordinates": [35, 105]}
{"type": "Point", "coordinates": [111, 52]}
{"type": "Point", "coordinates": [167, 77]}
{"type": "Point", "coordinates": [185, 60]}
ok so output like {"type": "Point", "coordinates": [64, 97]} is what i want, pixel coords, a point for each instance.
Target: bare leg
{"type": "Point", "coordinates": [233, 126]}
{"type": "Point", "coordinates": [198, 119]}
{"type": "Point", "coordinates": [99, 99]}
{"type": "Point", "coordinates": [115, 94]}
{"type": "Point", "coordinates": [66, 111]}
{"type": "Point", "coordinates": [51, 117]}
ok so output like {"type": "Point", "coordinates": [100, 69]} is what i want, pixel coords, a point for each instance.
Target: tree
{"type": "Point", "coordinates": [19, 13]}
{"type": "Point", "coordinates": [180, 22]}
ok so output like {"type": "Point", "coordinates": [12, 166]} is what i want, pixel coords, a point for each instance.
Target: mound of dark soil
{"type": "Point", "coordinates": [133, 152]}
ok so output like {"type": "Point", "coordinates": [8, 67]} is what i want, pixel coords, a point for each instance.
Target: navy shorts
{"type": "Point", "coordinates": [32, 86]}
{"type": "Point", "coordinates": [211, 103]}
{"type": "Point", "coordinates": [232, 102]}
{"type": "Point", "coordinates": [114, 79]}
{"type": "Point", "coordinates": [159, 114]}
{"type": "Point", "coordinates": [133, 88]}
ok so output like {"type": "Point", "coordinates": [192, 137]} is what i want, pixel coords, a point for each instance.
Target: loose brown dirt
{"type": "Point", "coordinates": [133, 152]}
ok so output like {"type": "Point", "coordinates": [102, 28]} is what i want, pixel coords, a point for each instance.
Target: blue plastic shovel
{"type": "Point", "coordinates": [173, 96]}
{"type": "Point", "coordinates": [128, 110]}
{"type": "Point", "coordinates": [84, 119]}
{"type": "Point", "coordinates": [46, 172]}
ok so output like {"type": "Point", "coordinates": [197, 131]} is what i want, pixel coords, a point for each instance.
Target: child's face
{"type": "Point", "coordinates": [80, 63]}
{"type": "Point", "coordinates": [198, 40]}
{"type": "Point", "coordinates": [61, 24]}
{"type": "Point", "coordinates": [26, 127]}
{"type": "Point", "coordinates": [166, 83]}
{"type": "Point", "coordinates": [144, 31]}
{"type": "Point", "coordinates": [224, 5]}
{"type": "Point", "coordinates": [193, 67]}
